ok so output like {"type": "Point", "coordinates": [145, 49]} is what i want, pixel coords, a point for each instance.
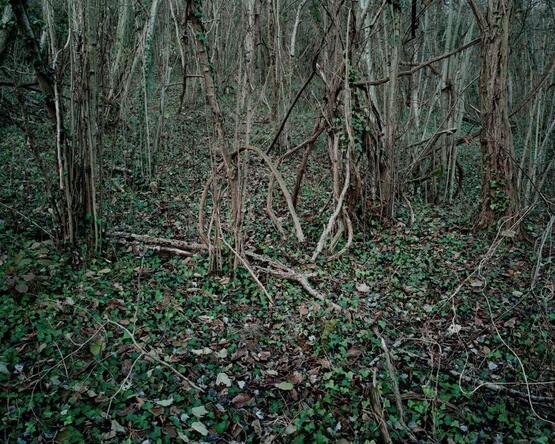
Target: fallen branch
{"type": "Point", "coordinates": [394, 383]}
{"type": "Point", "coordinates": [284, 272]}
{"type": "Point", "coordinates": [377, 409]}
{"type": "Point", "coordinates": [186, 249]}
{"type": "Point", "coordinates": [250, 270]}
{"type": "Point", "coordinates": [178, 247]}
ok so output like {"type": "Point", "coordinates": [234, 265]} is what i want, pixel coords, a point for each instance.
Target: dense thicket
{"type": "Point", "coordinates": [395, 91]}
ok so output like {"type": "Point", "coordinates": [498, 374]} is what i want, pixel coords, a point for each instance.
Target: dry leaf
{"type": "Point", "coordinates": [241, 400]}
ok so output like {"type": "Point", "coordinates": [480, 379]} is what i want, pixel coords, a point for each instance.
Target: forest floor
{"type": "Point", "coordinates": [436, 336]}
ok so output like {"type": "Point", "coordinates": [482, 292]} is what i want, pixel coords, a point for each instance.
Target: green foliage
{"type": "Point", "coordinates": [298, 370]}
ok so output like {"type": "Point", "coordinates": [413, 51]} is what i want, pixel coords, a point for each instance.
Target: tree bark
{"type": "Point", "coordinates": [222, 146]}
{"type": "Point", "coordinates": [499, 195]}
{"type": "Point", "coordinates": [34, 55]}
{"type": "Point", "coordinates": [6, 33]}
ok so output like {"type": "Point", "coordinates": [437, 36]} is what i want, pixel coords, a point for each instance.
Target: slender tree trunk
{"type": "Point", "coordinates": [85, 111]}
{"type": "Point", "coordinates": [222, 146]}
{"type": "Point", "coordinates": [6, 32]}
{"type": "Point", "coordinates": [121, 47]}
{"type": "Point", "coordinates": [389, 181]}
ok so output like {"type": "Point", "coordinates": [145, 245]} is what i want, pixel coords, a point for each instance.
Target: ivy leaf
{"type": "Point", "coordinates": [222, 354]}
{"type": "Point", "coordinates": [454, 329]}
{"type": "Point", "coordinates": [285, 386]}
{"type": "Point", "coordinates": [4, 368]}
{"type": "Point", "coordinates": [22, 287]}
{"type": "Point", "coordinates": [199, 411]}
{"type": "Point", "coordinates": [223, 379]}
{"type": "Point", "coordinates": [199, 427]}
{"type": "Point", "coordinates": [96, 348]}
{"type": "Point", "coordinates": [165, 402]}
{"type": "Point", "coordinates": [362, 288]}
{"type": "Point", "coordinates": [117, 427]}
{"type": "Point", "coordinates": [202, 351]}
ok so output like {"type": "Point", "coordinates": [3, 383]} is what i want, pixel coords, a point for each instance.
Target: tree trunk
{"type": "Point", "coordinates": [222, 146]}
{"type": "Point", "coordinates": [499, 196]}
{"type": "Point", "coordinates": [6, 33]}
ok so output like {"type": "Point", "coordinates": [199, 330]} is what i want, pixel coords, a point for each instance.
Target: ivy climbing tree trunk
{"type": "Point", "coordinates": [499, 195]}
{"type": "Point", "coordinates": [86, 134]}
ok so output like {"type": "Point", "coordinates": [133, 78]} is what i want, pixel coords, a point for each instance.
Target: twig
{"type": "Point", "coordinates": [154, 357]}
{"type": "Point", "coordinates": [284, 272]}
{"type": "Point", "coordinates": [48, 233]}
{"type": "Point", "coordinates": [250, 270]}
{"type": "Point", "coordinates": [123, 383]}
{"type": "Point", "coordinates": [394, 384]}
{"type": "Point", "coordinates": [63, 359]}
{"type": "Point", "coordinates": [498, 388]}
{"type": "Point", "coordinates": [420, 65]}
{"type": "Point", "coordinates": [547, 232]}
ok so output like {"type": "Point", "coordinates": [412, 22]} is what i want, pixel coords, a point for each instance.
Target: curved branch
{"type": "Point", "coordinates": [285, 191]}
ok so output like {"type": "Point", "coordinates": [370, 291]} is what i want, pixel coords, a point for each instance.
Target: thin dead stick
{"type": "Point", "coordinates": [520, 363]}
{"type": "Point", "coordinates": [154, 357]}
{"type": "Point", "coordinates": [250, 270]}
{"type": "Point", "coordinates": [547, 232]}
{"type": "Point", "coordinates": [295, 100]}
{"type": "Point", "coordinates": [48, 233]}
{"type": "Point", "coordinates": [498, 388]}
{"type": "Point", "coordinates": [123, 383]}
{"type": "Point", "coordinates": [420, 65]}
{"type": "Point", "coordinates": [394, 384]}
{"type": "Point", "coordinates": [543, 77]}
{"type": "Point", "coordinates": [63, 359]}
